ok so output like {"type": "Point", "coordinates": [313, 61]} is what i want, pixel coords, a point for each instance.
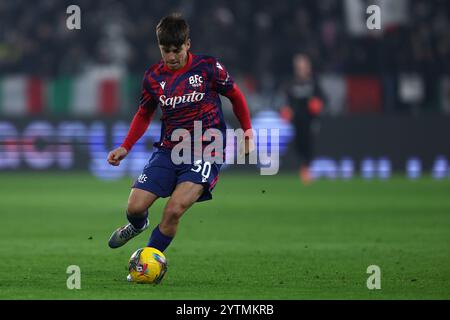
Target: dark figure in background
{"type": "Point", "coordinates": [305, 103]}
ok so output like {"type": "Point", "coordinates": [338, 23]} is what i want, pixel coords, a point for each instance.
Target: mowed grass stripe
{"type": "Point", "coordinates": [260, 238]}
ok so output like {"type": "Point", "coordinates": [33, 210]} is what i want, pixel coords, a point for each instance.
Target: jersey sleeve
{"type": "Point", "coordinates": [222, 79]}
{"type": "Point", "coordinates": [142, 118]}
{"type": "Point", "coordinates": [240, 107]}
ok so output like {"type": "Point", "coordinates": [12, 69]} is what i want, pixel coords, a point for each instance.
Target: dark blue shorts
{"type": "Point", "coordinates": [160, 176]}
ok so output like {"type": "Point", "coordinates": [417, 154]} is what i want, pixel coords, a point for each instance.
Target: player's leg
{"type": "Point", "coordinates": [303, 146]}
{"type": "Point", "coordinates": [138, 203]}
{"type": "Point", "coordinates": [158, 179]}
{"type": "Point", "coordinates": [185, 195]}
{"type": "Point", "coordinates": [137, 215]}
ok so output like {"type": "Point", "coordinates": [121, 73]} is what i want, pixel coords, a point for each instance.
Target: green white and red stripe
{"type": "Point", "coordinates": [87, 95]}
{"type": "Point", "coordinates": [20, 95]}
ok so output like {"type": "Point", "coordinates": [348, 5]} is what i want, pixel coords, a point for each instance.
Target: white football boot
{"type": "Point", "coordinates": [123, 234]}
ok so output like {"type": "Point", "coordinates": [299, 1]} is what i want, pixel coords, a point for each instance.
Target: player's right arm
{"type": "Point", "coordinates": [140, 123]}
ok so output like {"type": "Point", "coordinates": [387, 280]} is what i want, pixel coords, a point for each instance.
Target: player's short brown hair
{"type": "Point", "coordinates": [172, 30]}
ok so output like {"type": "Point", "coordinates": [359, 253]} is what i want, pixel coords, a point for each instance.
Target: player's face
{"type": "Point", "coordinates": [175, 57]}
{"type": "Point", "coordinates": [302, 66]}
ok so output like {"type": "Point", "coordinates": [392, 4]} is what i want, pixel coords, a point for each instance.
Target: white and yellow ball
{"type": "Point", "coordinates": [147, 265]}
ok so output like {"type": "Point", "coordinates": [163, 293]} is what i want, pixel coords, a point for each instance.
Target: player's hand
{"type": "Point", "coordinates": [249, 145]}
{"type": "Point", "coordinates": [286, 113]}
{"type": "Point", "coordinates": [117, 155]}
{"type": "Point", "coordinates": [315, 106]}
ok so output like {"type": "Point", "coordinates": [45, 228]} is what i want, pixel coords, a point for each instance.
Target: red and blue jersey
{"type": "Point", "coordinates": [186, 95]}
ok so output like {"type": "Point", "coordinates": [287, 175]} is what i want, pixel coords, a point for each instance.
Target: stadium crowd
{"type": "Point", "coordinates": [255, 41]}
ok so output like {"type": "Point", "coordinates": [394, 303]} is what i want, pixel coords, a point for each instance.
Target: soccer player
{"type": "Point", "coordinates": [186, 87]}
{"type": "Point", "coordinates": [305, 103]}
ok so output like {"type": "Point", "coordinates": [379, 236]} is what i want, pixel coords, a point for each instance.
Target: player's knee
{"type": "Point", "coordinates": [174, 211]}
{"type": "Point", "coordinates": [136, 209]}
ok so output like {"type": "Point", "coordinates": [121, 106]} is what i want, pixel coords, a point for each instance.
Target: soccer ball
{"type": "Point", "coordinates": [147, 265]}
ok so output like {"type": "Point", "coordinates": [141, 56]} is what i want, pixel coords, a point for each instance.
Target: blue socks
{"type": "Point", "coordinates": [159, 240]}
{"type": "Point", "coordinates": [138, 222]}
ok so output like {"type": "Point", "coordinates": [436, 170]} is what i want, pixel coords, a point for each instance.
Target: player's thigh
{"type": "Point", "coordinates": [184, 196]}
{"type": "Point", "coordinates": [140, 200]}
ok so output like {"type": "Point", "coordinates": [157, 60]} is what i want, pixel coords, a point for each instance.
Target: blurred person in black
{"type": "Point", "coordinates": [304, 105]}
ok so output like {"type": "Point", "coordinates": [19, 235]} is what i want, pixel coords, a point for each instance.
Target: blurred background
{"type": "Point", "coordinates": [67, 96]}
{"type": "Point", "coordinates": [375, 131]}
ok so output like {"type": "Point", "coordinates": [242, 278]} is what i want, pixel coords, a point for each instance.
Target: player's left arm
{"type": "Point", "coordinates": [227, 87]}
{"type": "Point", "coordinates": [242, 113]}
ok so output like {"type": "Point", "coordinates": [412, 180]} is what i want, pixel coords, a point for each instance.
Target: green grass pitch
{"type": "Point", "coordinates": [260, 238]}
